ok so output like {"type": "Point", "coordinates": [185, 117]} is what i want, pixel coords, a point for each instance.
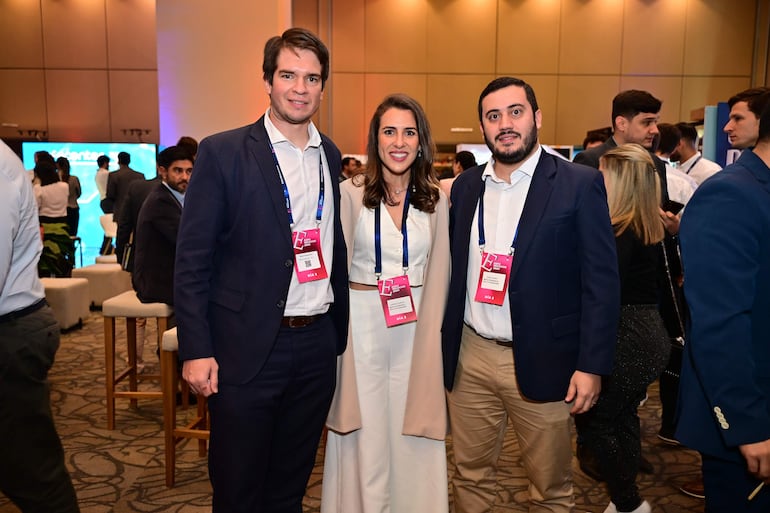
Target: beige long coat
{"type": "Point", "coordinates": [425, 403]}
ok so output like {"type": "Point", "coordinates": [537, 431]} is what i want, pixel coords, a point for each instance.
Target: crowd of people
{"type": "Point", "coordinates": [529, 291]}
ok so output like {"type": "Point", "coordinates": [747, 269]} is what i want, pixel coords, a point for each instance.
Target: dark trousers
{"type": "Point", "coordinates": [73, 220]}
{"type": "Point", "coordinates": [728, 486]}
{"type": "Point", "coordinates": [32, 471]}
{"type": "Point", "coordinates": [265, 433]}
{"type": "Point", "coordinates": [610, 430]}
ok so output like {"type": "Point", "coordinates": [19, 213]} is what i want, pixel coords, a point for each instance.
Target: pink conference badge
{"type": "Point", "coordinates": [397, 303]}
{"type": "Point", "coordinates": [493, 278]}
{"type": "Point", "coordinates": [308, 260]}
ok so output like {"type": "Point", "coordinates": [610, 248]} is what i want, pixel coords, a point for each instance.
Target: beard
{"type": "Point", "coordinates": [515, 156]}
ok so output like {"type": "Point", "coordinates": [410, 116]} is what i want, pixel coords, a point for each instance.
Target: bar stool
{"type": "Point", "coordinates": [198, 428]}
{"type": "Point", "coordinates": [128, 305]}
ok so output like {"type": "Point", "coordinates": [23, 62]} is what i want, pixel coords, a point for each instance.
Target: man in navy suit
{"type": "Point", "coordinates": [260, 286]}
{"type": "Point", "coordinates": [533, 306]}
{"type": "Point", "coordinates": [724, 392]}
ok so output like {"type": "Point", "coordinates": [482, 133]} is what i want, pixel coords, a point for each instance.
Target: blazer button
{"type": "Point", "coordinates": [288, 263]}
{"type": "Point", "coordinates": [281, 303]}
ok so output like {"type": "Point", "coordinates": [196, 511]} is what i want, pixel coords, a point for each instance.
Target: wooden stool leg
{"type": "Point", "coordinates": [109, 365]}
{"type": "Point", "coordinates": [131, 347]}
{"type": "Point", "coordinates": [168, 378]}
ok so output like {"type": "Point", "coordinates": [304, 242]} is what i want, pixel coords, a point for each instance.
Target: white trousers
{"type": "Point", "coordinates": [377, 469]}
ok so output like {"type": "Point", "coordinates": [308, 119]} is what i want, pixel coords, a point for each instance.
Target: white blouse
{"type": "Point", "coordinates": [52, 199]}
{"type": "Point", "coordinates": [418, 234]}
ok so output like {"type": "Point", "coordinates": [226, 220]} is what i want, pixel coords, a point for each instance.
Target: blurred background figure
{"type": "Point", "coordinates": [73, 209]}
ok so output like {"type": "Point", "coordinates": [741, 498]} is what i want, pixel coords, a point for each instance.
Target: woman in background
{"type": "Point", "coordinates": [610, 429]}
{"type": "Point", "coordinates": [73, 209]}
{"type": "Point", "coordinates": [51, 194]}
{"type": "Point", "coordinates": [385, 451]}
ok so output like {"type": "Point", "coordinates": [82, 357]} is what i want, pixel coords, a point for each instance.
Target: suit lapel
{"type": "Point", "coordinates": [262, 154]}
{"type": "Point", "coordinates": [464, 215]}
{"type": "Point", "coordinates": [537, 199]}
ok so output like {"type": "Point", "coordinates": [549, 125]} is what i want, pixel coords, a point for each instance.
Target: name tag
{"type": "Point", "coordinates": [397, 302]}
{"type": "Point", "coordinates": [308, 259]}
{"type": "Point", "coordinates": [493, 278]}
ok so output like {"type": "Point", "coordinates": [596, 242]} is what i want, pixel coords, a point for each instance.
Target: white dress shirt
{"type": "Point", "coordinates": [503, 204]}
{"type": "Point", "coordinates": [699, 168]}
{"type": "Point", "coordinates": [300, 170]}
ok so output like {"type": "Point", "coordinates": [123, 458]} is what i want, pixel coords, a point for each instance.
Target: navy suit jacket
{"type": "Point", "coordinates": [724, 392]}
{"type": "Point", "coordinates": [564, 288]}
{"type": "Point", "coordinates": [235, 258]}
{"type": "Point", "coordinates": [155, 246]}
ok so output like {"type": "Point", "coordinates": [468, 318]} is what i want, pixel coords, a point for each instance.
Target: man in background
{"type": "Point", "coordinates": [32, 470]}
{"type": "Point", "coordinates": [350, 168]}
{"type": "Point", "coordinates": [690, 160]}
{"type": "Point", "coordinates": [463, 160]}
{"type": "Point", "coordinates": [118, 183]}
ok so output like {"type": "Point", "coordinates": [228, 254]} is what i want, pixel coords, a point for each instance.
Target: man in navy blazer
{"type": "Point", "coordinates": [724, 392]}
{"type": "Point", "coordinates": [536, 356]}
{"type": "Point", "coordinates": [261, 286]}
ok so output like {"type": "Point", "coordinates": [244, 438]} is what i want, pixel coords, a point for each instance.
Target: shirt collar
{"type": "Point", "coordinates": [177, 195]}
{"type": "Point", "coordinates": [527, 167]}
{"type": "Point", "coordinates": [275, 135]}
{"type": "Point", "coordinates": [690, 160]}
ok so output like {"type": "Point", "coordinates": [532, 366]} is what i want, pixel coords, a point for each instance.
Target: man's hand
{"type": "Point", "coordinates": [757, 457]}
{"type": "Point", "coordinates": [584, 390]}
{"type": "Point", "coordinates": [670, 221]}
{"type": "Point", "coordinates": [202, 375]}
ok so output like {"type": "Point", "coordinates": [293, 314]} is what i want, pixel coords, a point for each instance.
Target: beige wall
{"type": "Point", "coordinates": [577, 54]}
{"type": "Point", "coordinates": [81, 70]}
{"type": "Point", "coordinates": [88, 69]}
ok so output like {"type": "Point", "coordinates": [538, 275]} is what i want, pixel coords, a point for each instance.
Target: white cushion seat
{"type": "Point", "coordinates": [69, 300]}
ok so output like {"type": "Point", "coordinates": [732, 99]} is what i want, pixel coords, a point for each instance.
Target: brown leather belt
{"type": "Point", "coordinates": [504, 343]}
{"type": "Point", "coordinates": [299, 321]}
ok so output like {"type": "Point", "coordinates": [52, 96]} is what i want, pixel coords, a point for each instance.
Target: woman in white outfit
{"type": "Point", "coordinates": [385, 451]}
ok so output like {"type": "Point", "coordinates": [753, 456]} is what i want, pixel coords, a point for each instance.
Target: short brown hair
{"type": "Point", "coordinates": [295, 39]}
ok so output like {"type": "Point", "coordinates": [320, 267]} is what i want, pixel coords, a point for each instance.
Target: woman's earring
{"type": "Point", "coordinates": [419, 153]}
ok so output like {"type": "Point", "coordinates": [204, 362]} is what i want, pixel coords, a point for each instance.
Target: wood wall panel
{"type": "Point", "coordinates": [719, 37]}
{"type": "Point", "coordinates": [131, 40]}
{"type": "Point", "coordinates": [21, 42]}
{"type": "Point", "coordinates": [134, 104]}
{"type": "Point", "coordinates": [452, 103]}
{"type": "Point", "coordinates": [528, 36]}
{"type": "Point", "coordinates": [395, 36]}
{"type": "Point", "coordinates": [666, 89]}
{"type": "Point", "coordinates": [653, 37]}
{"type": "Point", "coordinates": [74, 34]}
{"type": "Point", "coordinates": [700, 91]}
{"type": "Point", "coordinates": [347, 44]}
{"type": "Point", "coordinates": [546, 91]}
{"type": "Point", "coordinates": [461, 36]}
{"type": "Point", "coordinates": [78, 107]}
{"type": "Point", "coordinates": [591, 37]}
{"type": "Point", "coordinates": [584, 103]}
{"type": "Point", "coordinates": [377, 87]}
{"type": "Point", "coordinates": [22, 101]}
{"type": "Point", "coordinates": [349, 121]}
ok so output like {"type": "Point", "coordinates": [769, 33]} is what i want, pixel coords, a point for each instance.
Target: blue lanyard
{"type": "Point", "coordinates": [378, 241]}
{"type": "Point", "coordinates": [320, 208]}
{"type": "Point", "coordinates": [482, 237]}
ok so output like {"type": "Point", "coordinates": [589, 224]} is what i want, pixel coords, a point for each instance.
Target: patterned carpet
{"type": "Point", "coordinates": [121, 471]}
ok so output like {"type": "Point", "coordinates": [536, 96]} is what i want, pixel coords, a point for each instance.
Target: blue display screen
{"type": "Point", "coordinates": [82, 157]}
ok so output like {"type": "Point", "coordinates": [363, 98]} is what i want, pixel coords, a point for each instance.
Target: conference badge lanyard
{"type": "Point", "coordinates": [495, 271]}
{"type": "Point", "coordinates": [308, 257]}
{"type": "Point", "coordinates": [395, 293]}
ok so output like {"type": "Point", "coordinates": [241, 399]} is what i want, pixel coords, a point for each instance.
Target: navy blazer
{"type": "Point", "coordinates": [235, 258]}
{"type": "Point", "coordinates": [724, 392]}
{"type": "Point", "coordinates": [564, 288]}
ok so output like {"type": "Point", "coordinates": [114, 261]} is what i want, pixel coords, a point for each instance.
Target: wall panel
{"type": "Point", "coordinates": [700, 91]}
{"type": "Point", "coordinates": [395, 36]}
{"type": "Point", "coordinates": [461, 36]}
{"type": "Point", "coordinates": [666, 89]}
{"type": "Point", "coordinates": [591, 37]}
{"type": "Point", "coordinates": [347, 44]}
{"type": "Point", "coordinates": [78, 107]}
{"type": "Point", "coordinates": [653, 37]}
{"type": "Point", "coordinates": [452, 103]}
{"type": "Point", "coordinates": [134, 104]}
{"type": "Point", "coordinates": [528, 34]}
{"type": "Point", "coordinates": [22, 101]}
{"type": "Point", "coordinates": [21, 42]}
{"type": "Point", "coordinates": [75, 34]}
{"type": "Point", "coordinates": [585, 103]}
{"type": "Point", "coordinates": [349, 122]}
{"type": "Point", "coordinates": [131, 41]}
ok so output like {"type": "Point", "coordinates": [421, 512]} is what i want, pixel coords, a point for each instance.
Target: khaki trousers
{"type": "Point", "coordinates": [485, 396]}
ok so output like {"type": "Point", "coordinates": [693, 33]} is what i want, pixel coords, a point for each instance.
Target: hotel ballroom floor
{"type": "Point", "coordinates": [122, 471]}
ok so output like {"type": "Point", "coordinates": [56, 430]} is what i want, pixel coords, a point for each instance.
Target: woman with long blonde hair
{"type": "Point", "coordinates": [611, 429]}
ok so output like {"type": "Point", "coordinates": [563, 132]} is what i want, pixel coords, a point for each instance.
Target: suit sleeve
{"type": "Point", "coordinates": [722, 258]}
{"type": "Point", "coordinates": [201, 223]}
{"type": "Point", "coordinates": [600, 282]}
